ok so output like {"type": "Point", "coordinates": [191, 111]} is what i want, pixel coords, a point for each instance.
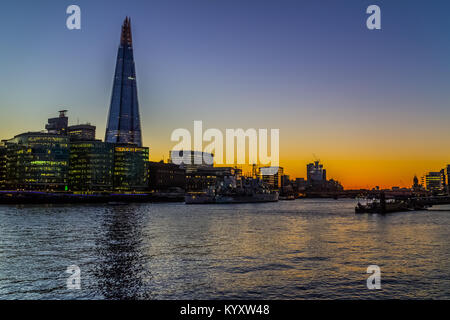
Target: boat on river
{"type": "Point", "coordinates": [383, 206]}
{"type": "Point", "coordinates": [377, 207]}
{"type": "Point", "coordinates": [247, 190]}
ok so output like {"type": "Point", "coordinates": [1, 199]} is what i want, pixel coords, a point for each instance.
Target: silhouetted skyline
{"type": "Point", "coordinates": [373, 105]}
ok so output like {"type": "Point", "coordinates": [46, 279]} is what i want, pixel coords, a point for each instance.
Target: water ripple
{"type": "Point", "coordinates": [303, 249]}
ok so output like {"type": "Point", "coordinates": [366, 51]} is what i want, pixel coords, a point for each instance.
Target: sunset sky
{"type": "Point", "coordinates": [372, 105]}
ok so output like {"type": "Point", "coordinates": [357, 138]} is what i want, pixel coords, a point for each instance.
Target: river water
{"type": "Point", "coordinates": [302, 249]}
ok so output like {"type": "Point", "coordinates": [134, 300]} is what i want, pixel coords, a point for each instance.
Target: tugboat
{"type": "Point", "coordinates": [249, 191]}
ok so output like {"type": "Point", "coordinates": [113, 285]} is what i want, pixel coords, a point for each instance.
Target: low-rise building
{"type": "Point", "coordinates": [165, 176]}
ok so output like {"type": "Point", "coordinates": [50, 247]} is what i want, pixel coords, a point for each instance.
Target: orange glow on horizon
{"type": "Point", "coordinates": [356, 173]}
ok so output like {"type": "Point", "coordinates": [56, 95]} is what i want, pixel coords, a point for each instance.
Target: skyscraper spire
{"type": "Point", "coordinates": [124, 125]}
{"type": "Point", "coordinates": [125, 38]}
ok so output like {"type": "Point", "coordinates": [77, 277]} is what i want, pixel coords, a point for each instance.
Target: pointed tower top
{"type": "Point", "coordinates": [125, 38]}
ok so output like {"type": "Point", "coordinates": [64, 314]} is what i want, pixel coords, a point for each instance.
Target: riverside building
{"type": "Point", "coordinates": [2, 166]}
{"type": "Point", "coordinates": [130, 168]}
{"type": "Point", "coordinates": [37, 161]}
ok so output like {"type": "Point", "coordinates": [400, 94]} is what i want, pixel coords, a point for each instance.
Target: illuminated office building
{"type": "Point", "coordinates": [434, 181]}
{"type": "Point", "coordinates": [91, 166]}
{"type": "Point", "coordinates": [130, 168]}
{"type": "Point", "coordinates": [272, 176]}
{"type": "Point", "coordinates": [123, 121]}
{"type": "Point", "coordinates": [447, 178]}
{"type": "Point", "coordinates": [37, 161]}
{"type": "Point", "coordinates": [91, 161]}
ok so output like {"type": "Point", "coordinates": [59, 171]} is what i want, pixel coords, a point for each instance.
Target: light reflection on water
{"type": "Point", "coordinates": [303, 249]}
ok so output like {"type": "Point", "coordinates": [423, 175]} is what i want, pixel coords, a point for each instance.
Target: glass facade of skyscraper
{"type": "Point", "coordinates": [123, 121]}
{"type": "Point", "coordinates": [91, 166]}
{"type": "Point", "coordinates": [130, 168]}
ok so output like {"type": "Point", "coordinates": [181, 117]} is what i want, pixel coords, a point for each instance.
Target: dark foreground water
{"type": "Point", "coordinates": [303, 249]}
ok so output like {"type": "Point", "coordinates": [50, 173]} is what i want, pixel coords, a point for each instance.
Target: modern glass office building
{"type": "Point", "coordinates": [37, 161]}
{"type": "Point", "coordinates": [123, 121]}
{"type": "Point", "coordinates": [91, 166]}
{"type": "Point", "coordinates": [130, 168]}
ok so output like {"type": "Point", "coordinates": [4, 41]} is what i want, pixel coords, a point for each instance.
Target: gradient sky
{"type": "Point", "coordinates": [372, 105]}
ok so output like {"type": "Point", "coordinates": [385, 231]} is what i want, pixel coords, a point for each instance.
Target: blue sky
{"type": "Point", "coordinates": [310, 68]}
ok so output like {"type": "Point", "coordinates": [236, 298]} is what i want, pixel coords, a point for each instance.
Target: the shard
{"type": "Point", "coordinates": [124, 124]}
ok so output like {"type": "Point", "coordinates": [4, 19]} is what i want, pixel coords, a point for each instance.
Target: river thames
{"type": "Point", "coordinates": [302, 249]}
